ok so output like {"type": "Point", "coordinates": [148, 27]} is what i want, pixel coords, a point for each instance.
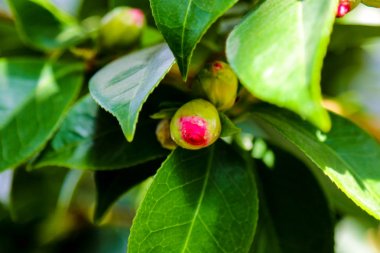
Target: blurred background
{"type": "Point", "coordinates": [60, 219]}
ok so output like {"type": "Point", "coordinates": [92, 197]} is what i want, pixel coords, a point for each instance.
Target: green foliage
{"type": "Point", "coordinates": [44, 26]}
{"type": "Point", "coordinates": [34, 96]}
{"type": "Point", "coordinates": [292, 80]}
{"type": "Point", "coordinates": [347, 155]}
{"type": "Point", "coordinates": [184, 23]}
{"type": "Point", "coordinates": [123, 86]}
{"type": "Point", "coordinates": [199, 201]}
{"type": "Point", "coordinates": [80, 161]}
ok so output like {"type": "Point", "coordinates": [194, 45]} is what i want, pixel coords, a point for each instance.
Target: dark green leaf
{"type": "Point", "coordinates": [35, 194]}
{"type": "Point", "coordinates": [228, 127]}
{"type": "Point", "coordinates": [347, 154]}
{"type": "Point", "coordinates": [199, 201]}
{"type": "Point", "coordinates": [295, 216]}
{"type": "Point", "coordinates": [34, 95]}
{"type": "Point", "coordinates": [183, 23]}
{"type": "Point", "coordinates": [278, 50]}
{"type": "Point", "coordinates": [123, 86]}
{"type": "Point", "coordinates": [111, 185]}
{"type": "Point", "coordinates": [90, 139]}
{"type": "Point", "coordinates": [93, 8]}
{"type": "Point", "coordinates": [44, 25]}
{"type": "Point", "coordinates": [10, 41]}
{"type": "Point", "coordinates": [348, 36]}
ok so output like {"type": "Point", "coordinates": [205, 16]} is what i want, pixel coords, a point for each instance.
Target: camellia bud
{"type": "Point", "coordinates": [163, 134]}
{"type": "Point", "coordinates": [195, 125]}
{"type": "Point", "coordinates": [345, 6]}
{"type": "Point", "coordinates": [218, 84]}
{"type": "Point", "coordinates": [121, 27]}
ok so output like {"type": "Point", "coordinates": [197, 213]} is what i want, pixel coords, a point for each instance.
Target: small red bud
{"type": "Point", "coordinates": [345, 6]}
{"type": "Point", "coordinates": [195, 125]}
{"type": "Point", "coordinates": [343, 9]}
{"type": "Point", "coordinates": [121, 27]}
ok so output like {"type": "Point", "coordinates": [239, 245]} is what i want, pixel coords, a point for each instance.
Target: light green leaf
{"type": "Point", "coordinates": [199, 201]}
{"type": "Point", "coordinates": [183, 24]}
{"type": "Point", "coordinates": [123, 86]}
{"type": "Point", "coordinates": [277, 52]}
{"type": "Point", "coordinates": [45, 26]}
{"type": "Point", "coordinates": [347, 154]}
{"type": "Point", "coordinates": [91, 139]}
{"type": "Point", "coordinates": [34, 95]}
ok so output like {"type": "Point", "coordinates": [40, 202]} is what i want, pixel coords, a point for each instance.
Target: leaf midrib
{"type": "Point", "coordinates": [200, 200]}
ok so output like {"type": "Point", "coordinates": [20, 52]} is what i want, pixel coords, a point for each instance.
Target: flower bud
{"type": "Point", "coordinates": [163, 134]}
{"type": "Point", "coordinates": [345, 6]}
{"type": "Point", "coordinates": [121, 27]}
{"type": "Point", "coordinates": [218, 84]}
{"type": "Point", "coordinates": [195, 125]}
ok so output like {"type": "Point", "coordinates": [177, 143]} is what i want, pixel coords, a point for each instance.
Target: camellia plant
{"type": "Point", "coordinates": [217, 113]}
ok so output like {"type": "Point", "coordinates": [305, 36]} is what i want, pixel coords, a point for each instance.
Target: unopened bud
{"type": "Point", "coordinates": [195, 125]}
{"type": "Point", "coordinates": [121, 27]}
{"type": "Point", "coordinates": [163, 134]}
{"type": "Point", "coordinates": [345, 6]}
{"type": "Point", "coordinates": [218, 84]}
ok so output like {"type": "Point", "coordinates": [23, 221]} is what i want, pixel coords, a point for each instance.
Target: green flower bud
{"type": "Point", "coordinates": [218, 84]}
{"type": "Point", "coordinates": [195, 125]}
{"type": "Point", "coordinates": [372, 3]}
{"type": "Point", "coordinates": [121, 27]}
{"type": "Point", "coordinates": [345, 6]}
{"type": "Point", "coordinates": [163, 134]}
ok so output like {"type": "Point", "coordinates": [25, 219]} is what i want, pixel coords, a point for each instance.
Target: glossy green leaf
{"type": "Point", "coordinates": [45, 26]}
{"type": "Point", "coordinates": [199, 201]}
{"type": "Point", "coordinates": [183, 24]}
{"type": "Point", "coordinates": [34, 96]}
{"type": "Point", "coordinates": [26, 186]}
{"type": "Point", "coordinates": [111, 185]}
{"type": "Point", "coordinates": [91, 139]}
{"type": "Point", "coordinates": [124, 85]}
{"type": "Point", "coordinates": [347, 154]}
{"type": "Point", "coordinates": [295, 217]}
{"type": "Point", "coordinates": [277, 52]}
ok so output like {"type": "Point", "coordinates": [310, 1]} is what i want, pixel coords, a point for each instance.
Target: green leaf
{"type": "Point", "coordinates": [295, 216]}
{"type": "Point", "coordinates": [34, 96]}
{"type": "Point", "coordinates": [91, 139]}
{"type": "Point", "coordinates": [111, 185]}
{"type": "Point", "coordinates": [228, 127]}
{"type": "Point", "coordinates": [277, 52]}
{"type": "Point", "coordinates": [123, 86]}
{"type": "Point", "coordinates": [45, 26]}
{"type": "Point", "coordinates": [34, 194]}
{"type": "Point", "coordinates": [199, 201]}
{"type": "Point", "coordinates": [10, 42]}
{"type": "Point", "coordinates": [372, 3]}
{"type": "Point", "coordinates": [183, 24]}
{"type": "Point", "coordinates": [347, 154]}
